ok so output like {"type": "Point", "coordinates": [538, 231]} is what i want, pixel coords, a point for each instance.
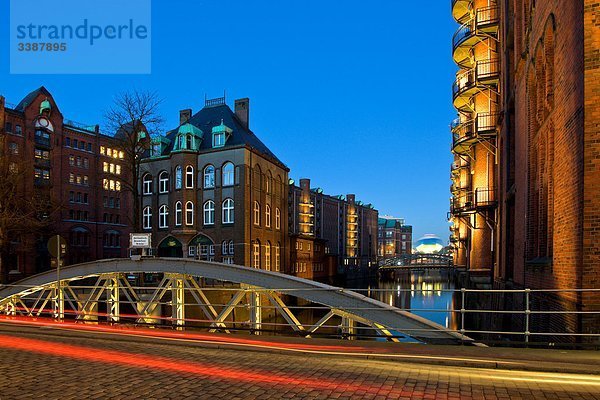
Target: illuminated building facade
{"type": "Point", "coordinates": [344, 228]}
{"type": "Point", "coordinates": [476, 97]}
{"type": "Point", "coordinates": [212, 190]}
{"type": "Point", "coordinates": [394, 237]}
{"type": "Point", "coordinates": [77, 168]}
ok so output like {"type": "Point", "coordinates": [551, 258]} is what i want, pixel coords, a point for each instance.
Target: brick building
{"type": "Point", "coordinates": [344, 228]}
{"type": "Point", "coordinates": [75, 166]}
{"type": "Point", "coordinates": [394, 237]}
{"type": "Point", "coordinates": [212, 190]}
{"type": "Point", "coordinates": [544, 150]}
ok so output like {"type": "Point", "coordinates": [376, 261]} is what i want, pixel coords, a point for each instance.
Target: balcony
{"type": "Point", "coordinates": [457, 167]}
{"type": "Point", "coordinates": [483, 76]}
{"type": "Point", "coordinates": [461, 10]}
{"type": "Point", "coordinates": [483, 25]}
{"type": "Point", "coordinates": [473, 202]}
{"type": "Point", "coordinates": [42, 141]}
{"type": "Point", "coordinates": [468, 133]}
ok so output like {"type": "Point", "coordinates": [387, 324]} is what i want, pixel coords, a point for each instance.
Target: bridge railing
{"type": "Point", "coordinates": [508, 317]}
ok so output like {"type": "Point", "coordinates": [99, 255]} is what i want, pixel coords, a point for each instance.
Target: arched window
{"type": "Point", "coordinates": [268, 256]}
{"type": "Point", "coordinates": [224, 248]}
{"type": "Point", "coordinates": [189, 177]}
{"type": "Point", "coordinates": [209, 177]}
{"type": "Point", "coordinates": [256, 213]}
{"type": "Point", "coordinates": [178, 212]}
{"type": "Point", "coordinates": [277, 257]}
{"type": "Point", "coordinates": [231, 248]}
{"type": "Point", "coordinates": [163, 182]}
{"type": "Point", "coordinates": [277, 218]}
{"type": "Point", "coordinates": [147, 184]}
{"type": "Point", "coordinates": [163, 216]}
{"type": "Point", "coordinates": [256, 254]}
{"type": "Point", "coordinates": [228, 174]}
{"type": "Point", "coordinates": [268, 216]}
{"type": "Point", "coordinates": [209, 212]}
{"type": "Point", "coordinates": [112, 239]}
{"type": "Point", "coordinates": [147, 219]}
{"type": "Point", "coordinates": [188, 142]}
{"type": "Point", "coordinates": [189, 213]}
{"type": "Point", "coordinates": [178, 177]}
{"type": "Point", "coordinates": [228, 211]}
{"type": "Point", "coordinates": [268, 182]}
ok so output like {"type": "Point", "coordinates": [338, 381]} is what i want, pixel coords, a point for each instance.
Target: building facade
{"type": "Point", "coordinates": [76, 167]}
{"type": "Point", "coordinates": [394, 238]}
{"type": "Point", "coordinates": [347, 228]}
{"type": "Point", "coordinates": [537, 63]}
{"type": "Point", "coordinates": [212, 190]}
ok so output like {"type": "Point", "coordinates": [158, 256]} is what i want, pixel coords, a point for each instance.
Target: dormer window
{"type": "Point", "coordinates": [189, 142]}
{"type": "Point", "coordinates": [189, 137]}
{"type": "Point", "coordinates": [220, 134]}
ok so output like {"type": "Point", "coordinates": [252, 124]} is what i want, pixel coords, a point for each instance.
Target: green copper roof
{"type": "Point", "coordinates": [45, 106]}
{"type": "Point", "coordinates": [222, 128]}
{"type": "Point", "coordinates": [189, 128]}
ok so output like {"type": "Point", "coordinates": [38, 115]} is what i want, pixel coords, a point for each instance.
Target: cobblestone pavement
{"type": "Point", "coordinates": [51, 364]}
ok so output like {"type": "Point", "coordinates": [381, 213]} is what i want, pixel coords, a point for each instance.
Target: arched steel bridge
{"type": "Point", "coordinates": [180, 290]}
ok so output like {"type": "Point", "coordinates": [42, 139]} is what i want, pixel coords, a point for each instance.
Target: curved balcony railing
{"type": "Point", "coordinates": [465, 134]}
{"type": "Point", "coordinates": [484, 73]}
{"type": "Point", "coordinates": [473, 201]}
{"type": "Point", "coordinates": [485, 23]}
{"type": "Point", "coordinates": [461, 9]}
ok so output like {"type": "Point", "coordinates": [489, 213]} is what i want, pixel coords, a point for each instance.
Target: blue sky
{"type": "Point", "coordinates": [354, 95]}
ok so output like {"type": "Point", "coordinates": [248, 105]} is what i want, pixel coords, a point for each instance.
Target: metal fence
{"type": "Point", "coordinates": [480, 314]}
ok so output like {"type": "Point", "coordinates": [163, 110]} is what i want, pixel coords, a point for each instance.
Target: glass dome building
{"type": "Point", "coordinates": [429, 244]}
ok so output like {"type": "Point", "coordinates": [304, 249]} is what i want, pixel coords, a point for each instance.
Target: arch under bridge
{"type": "Point", "coordinates": [104, 284]}
{"type": "Point", "coordinates": [416, 261]}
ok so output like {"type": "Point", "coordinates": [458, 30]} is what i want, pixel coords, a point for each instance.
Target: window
{"type": "Point", "coordinates": [71, 160]}
{"type": "Point", "coordinates": [189, 213]}
{"type": "Point", "coordinates": [268, 256]}
{"type": "Point", "coordinates": [268, 216]}
{"type": "Point", "coordinates": [18, 130]}
{"type": "Point", "coordinates": [147, 184]}
{"type": "Point", "coordinates": [163, 215]}
{"type": "Point", "coordinates": [86, 181]}
{"type": "Point", "coordinates": [228, 174]}
{"type": "Point", "coordinates": [192, 251]}
{"type": "Point", "coordinates": [189, 177]}
{"type": "Point", "coordinates": [188, 142]}
{"type": "Point", "coordinates": [277, 218]}
{"type": "Point", "coordinates": [256, 213]}
{"type": "Point", "coordinates": [86, 163]}
{"type": "Point", "coordinates": [89, 147]}
{"type": "Point", "coordinates": [8, 127]}
{"type": "Point", "coordinates": [102, 148]}
{"type": "Point", "coordinates": [163, 182]}
{"type": "Point", "coordinates": [178, 213]}
{"type": "Point", "coordinates": [147, 219]}
{"type": "Point", "coordinates": [256, 254]}
{"type": "Point", "coordinates": [219, 139]}
{"type": "Point", "coordinates": [209, 212]}
{"type": "Point", "coordinates": [14, 148]}
{"type": "Point", "coordinates": [231, 247]}
{"type": "Point", "coordinates": [277, 258]}
{"type": "Point", "coordinates": [178, 177]}
{"type": "Point", "coordinates": [224, 247]}
{"type": "Point", "coordinates": [228, 211]}
{"type": "Point", "coordinates": [209, 177]}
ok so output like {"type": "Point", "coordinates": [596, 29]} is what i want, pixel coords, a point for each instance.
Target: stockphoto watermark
{"type": "Point", "coordinates": [80, 37]}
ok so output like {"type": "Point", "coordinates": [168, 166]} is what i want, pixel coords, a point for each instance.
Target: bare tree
{"type": "Point", "coordinates": [134, 118]}
{"type": "Point", "coordinates": [24, 214]}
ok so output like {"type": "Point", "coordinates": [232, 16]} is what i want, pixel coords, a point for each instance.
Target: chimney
{"type": "Point", "coordinates": [185, 115]}
{"type": "Point", "coordinates": [305, 186]}
{"type": "Point", "coordinates": [350, 198]}
{"type": "Point", "coordinates": [242, 111]}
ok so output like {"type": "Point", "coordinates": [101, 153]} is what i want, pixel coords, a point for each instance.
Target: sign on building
{"type": "Point", "coordinates": [140, 240]}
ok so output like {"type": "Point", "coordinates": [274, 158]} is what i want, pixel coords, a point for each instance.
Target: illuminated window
{"type": "Point", "coordinates": [189, 213]}
{"type": "Point", "coordinates": [178, 177]}
{"type": "Point", "coordinates": [105, 167]}
{"type": "Point", "coordinates": [268, 216]}
{"type": "Point", "coordinates": [105, 183]}
{"type": "Point", "coordinates": [256, 254]}
{"type": "Point", "coordinates": [163, 216]}
{"type": "Point", "coordinates": [121, 155]}
{"type": "Point", "coordinates": [228, 211]}
{"type": "Point", "coordinates": [209, 212]}
{"type": "Point", "coordinates": [102, 150]}
{"type": "Point", "coordinates": [147, 220]}
{"type": "Point", "coordinates": [228, 174]}
{"type": "Point", "coordinates": [118, 186]}
{"type": "Point", "coordinates": [268, 256]}
{"type": "Point", "coordinates": [277, 218]}
{"type": "Point", "coordinates": [277, 258]}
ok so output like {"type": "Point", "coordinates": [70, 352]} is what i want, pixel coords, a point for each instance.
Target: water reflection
{"type": "Point", "coordinates": [426, 293]}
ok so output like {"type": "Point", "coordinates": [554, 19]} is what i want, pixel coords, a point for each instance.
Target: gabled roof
{"type": "Point", "coordinates": [210, 117]}
{"type": "Point", "coordinates": [30, 97]}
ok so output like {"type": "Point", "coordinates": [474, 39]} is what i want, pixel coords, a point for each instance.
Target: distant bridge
{"type": "Point", "coordinates": [180, 291]}
{"type": "Point", "coordinates": [417, 261]}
